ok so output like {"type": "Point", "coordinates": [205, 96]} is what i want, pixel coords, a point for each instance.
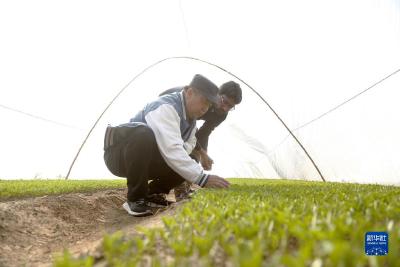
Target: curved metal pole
{"type": "Point", "coordinates": [200, 60]}
{"type": "Point", "coordinates": [104, 111]}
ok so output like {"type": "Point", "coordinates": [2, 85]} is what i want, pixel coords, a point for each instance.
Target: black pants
{"type": "Point", "coordinates": [134, 154]}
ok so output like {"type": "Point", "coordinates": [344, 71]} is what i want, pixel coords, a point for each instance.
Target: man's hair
{"type": "Point", "coordinates": [231, 90]}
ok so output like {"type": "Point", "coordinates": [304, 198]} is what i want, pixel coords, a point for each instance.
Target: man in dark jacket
{"type": "Point", "coordinates": [229, 95]}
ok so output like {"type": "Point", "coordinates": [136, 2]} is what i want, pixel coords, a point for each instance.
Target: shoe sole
{"type": "Point", "coordinates": [155, 205]}
{"type": "Point", "coordinates": [136, 214]}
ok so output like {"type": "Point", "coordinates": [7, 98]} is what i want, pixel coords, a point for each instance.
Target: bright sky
{"type": "Point", "coordinates": [65, 60]}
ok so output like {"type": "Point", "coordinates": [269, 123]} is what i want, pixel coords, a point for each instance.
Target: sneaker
{"type": "Point", "coordinates": [158, 201]}
{"type": "Point", "coordinates": [191, 193]}
{"type": "Point", "coordinates": [137, 208]}
{"type": "Point", "coordinates": [185, 195]}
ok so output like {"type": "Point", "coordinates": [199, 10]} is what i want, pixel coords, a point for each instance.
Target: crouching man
{"type": "Point", "coordinates": [155, 146]}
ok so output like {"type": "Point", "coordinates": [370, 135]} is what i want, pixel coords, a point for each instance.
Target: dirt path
{"type": "Point", "coordinates": [33, 230]}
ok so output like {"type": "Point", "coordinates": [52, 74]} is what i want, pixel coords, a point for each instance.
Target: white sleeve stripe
{"type": "Point", "coordinates": [203, 180]}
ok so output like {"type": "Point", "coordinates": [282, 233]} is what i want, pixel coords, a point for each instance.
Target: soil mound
{"type": "Point", "coordinates": [33, 230]}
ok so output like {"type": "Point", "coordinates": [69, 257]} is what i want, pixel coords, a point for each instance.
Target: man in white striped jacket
{"type": "Point", "coordinates": [155, 146]}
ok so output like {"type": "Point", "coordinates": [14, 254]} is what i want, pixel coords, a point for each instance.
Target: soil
{"type": "Point", "coordinates": [34, 230]}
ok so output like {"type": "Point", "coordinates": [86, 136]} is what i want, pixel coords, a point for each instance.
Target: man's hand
{"type": "Point", "coordinates": [196, 155]}
{"type": "Point", "coordinates": [214, 181]}
{"type": "Point", "coordinates": [206, 161]}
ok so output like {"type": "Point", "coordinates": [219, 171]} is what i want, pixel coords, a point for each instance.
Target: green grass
{"type": "Point", "coordinates": [12, 189]}
{"type": "Point", "coordinates": [254, 223]}
{"type": "Point", "coordinates": [266, 223]}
